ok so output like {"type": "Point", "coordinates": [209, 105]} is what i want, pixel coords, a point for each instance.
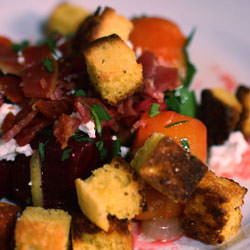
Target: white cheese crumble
{"type": "Point", "coordinates": [227, 156]}
{"type": "Point", "coordinates": [138, 52]}
{"type": "Point", "coordinates": [124, 151]}
{"type": "Point", "coordinates": [9, 150]}
{"type": "Point", "coordinates": [20, 57]}
{"type": "Point", "coordinates": [5, 109]}
{"type": "Point", "coordinates": [88, 128]}
{"type": "Point", "coordinates": [57, 54]}
{"type": "Point", "coordinates": [129, 43]}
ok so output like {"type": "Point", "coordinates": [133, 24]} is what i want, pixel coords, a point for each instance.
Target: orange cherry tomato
{"type": "Point", "coordinates": [185, 127]}
{"type": "Point", "coordinates": [160, 36]}
{"type": "Point", "coordinates": [159, 205]}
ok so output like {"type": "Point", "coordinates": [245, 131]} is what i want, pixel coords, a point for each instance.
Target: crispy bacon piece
{"type": "Point", "coordinates": [64, 128]}
{"type": "Point", "coordinates": [30, 131]}
{"type": "Point", "coordinates": [8, 122]}
{"type": "Point", "coordinates": [11, 87]}
{"type": "Point", "coordinates": [38, 81]}
{"type": "Point", "coordinates": [53, 109]}
{"type": "Point", "coordinates": [19, 126]}
{"type": "Point", "coordinates": [84, 111]}
{"type": "Point", "coordinates": [8, 58]}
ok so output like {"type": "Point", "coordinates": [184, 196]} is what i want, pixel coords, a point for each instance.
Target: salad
{"type": "Point", "coordinates": [104, 144]}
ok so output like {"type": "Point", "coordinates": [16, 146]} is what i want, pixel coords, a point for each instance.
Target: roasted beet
{"type": "Point", "coordinates": [4, 178]}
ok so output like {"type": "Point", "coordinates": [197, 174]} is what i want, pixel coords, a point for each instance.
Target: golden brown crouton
{"type": "Point", "coordinates": [8, 215]}
{"type": "Point", "coordinates": [111, 190]}
{"type": "Point", "coordinates": [43, 229]}
{"type": "Point", "coordinates": [168, 168]}
{"type": "Point", "coordinates": [113, 69]}
{"type": "Point", "coordinates": [220, 111]}
{"type": "Point", "coordinates": [86, 235]}
{"type": "Point", "coordinates": [66, 18]}
{"type": "Point", "coordinates": [100, 25]}
{"type": "Point", "coordinates": [212, 214]}
{"type": "Point", "coordinates": [243, 95]}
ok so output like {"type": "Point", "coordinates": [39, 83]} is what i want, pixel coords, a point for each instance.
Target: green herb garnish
{"type": "Point", "coordinates": [20, 46]}
{"type": "Point", "coordinates": [185, 144]}
{"type": "Point", "coordinates": [175, 123]}
{"type": "Point", "coordinates": [99, 114]}
{"type": "Point", "coordinates": [190, 68]}
{"type": "Point", "coordinates": [79, 136]}
{"type": "Point", "coordinates": [182, 101]}
{"type": "Point", "coordinates": [41, 149]}
{"type": "Point", "coordinates": [66, 153]}
{"type": "Point", "coordinates": [154, 110]}
{"type": "Point", "coordinates": [103, 151]}
{"type": "Point", "coordinates": [47, 63]}
{"type": "Point", "coordinates": [116, 147]}
{"type": "Point", "coordinates": [80, 92]}
{"type": "Point", "coordinates": [52, 45]}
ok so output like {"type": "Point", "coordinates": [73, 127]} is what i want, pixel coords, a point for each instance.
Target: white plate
{"type": "Point", "coordinates": [220, 49]}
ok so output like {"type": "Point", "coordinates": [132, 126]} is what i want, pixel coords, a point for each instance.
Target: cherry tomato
{"type": "Point", "coordinates": [160, 36]}
{"type": "Point", "coordinates": [177, 127]}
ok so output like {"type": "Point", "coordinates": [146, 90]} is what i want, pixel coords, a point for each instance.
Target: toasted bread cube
{"type": "Point", "coordinates": [168, 168]}
{"type": "Point", "coordinates": [113, 69]}
{"type": "Point", "coordinates": [220, 111]}
{"type": "Point", "coordinates": [212, 215]}
{"type": "Point", "coordinates": [100, 25]}
{"type": "Point", "coordinates": [8, 215]}
{"type": "Point", "coordinates": [66, 18]}
{"type": "Point", "coordinates": [111, 190]}
{"type": "Point", "coordinates": [86, 235]}
{"type": "Point", "coordinates": [243, 95]}
{"type": "Point", "coordinates": [43, 229]}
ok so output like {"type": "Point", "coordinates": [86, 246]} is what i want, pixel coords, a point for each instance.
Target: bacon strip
{"type": "Point", "coordinates": [19, 126]}
{"type": "Point", "coordinates": [29, 132]}
{"type": "Point", "coordinates": [64, 128]}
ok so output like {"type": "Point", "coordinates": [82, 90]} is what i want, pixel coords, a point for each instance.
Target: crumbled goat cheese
{"type": "Point", "coordinates": [61, 41]}
{"type": "Point", "coordinates": [71, 92]}
{"type": "Point", "coordinates": [88, 128]}
{"type": "Point", "coordinates": [114, 138]}
{"type": "Point", "coordinates": [20, 57]}
{"type": "Point", "coordinates": [138, 52]}
{"type": "Point", "coordinates": [57, 54]}
{"type": "Point", "coordinates": [9, 150]}
{"type": "Point", "coordinates": [229, 154]}
{"type": "Point", "coordinates": [5, 109]}
{"type": "Point", "coordinates": [124, 151]}
{"type": "Point", "coordinates": [129, 44]}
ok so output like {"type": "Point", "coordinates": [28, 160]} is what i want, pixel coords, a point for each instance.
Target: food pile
{"type": "Point", "coordinates": [99, 129]}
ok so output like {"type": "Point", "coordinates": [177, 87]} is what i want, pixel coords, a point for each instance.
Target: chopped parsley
{"type": "Point", "coordinates": [154, 110]}
{"type": "Point", "coordinates": [99, 114]}
{"type": "Point", "coordinates": [47, 63]}
{"type": "Point", "coordinates": [182, 101]}
{"type": "Point", "coordinates": [103, 151]}
{"type": "Point", "coordinates": [79, 136]}
{"type": "Point", "coordinates": [116, 147]}
{"type": "Point", "coordinates": [191, 69]}
{"type": "Point", "coordinates": [175, 123]}
{"type": "Point", "coordinates": [41, 149]}
{"type": "Point", "coordinates": [20, 46]}
{"type": "Point", "coordinates": [185, 144]}
{"type": "Point", "coordinates": [66, 153]}
{"type": "Point", "coordinates": [80, 92]}
{"type": "Point", "coordinates": [52, 45]}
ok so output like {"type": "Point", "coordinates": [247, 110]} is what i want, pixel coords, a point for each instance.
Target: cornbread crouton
{"type": "Point", "coordinates": [113, 69]}
{"type": "Point", "coordinates": [111, 190]}
{"type": "Point", "coordinates": [86, 235]}
{"type": "Point", "coordinates": [212, 214]}
{"type": "Point", "coordinates": [100, 25]}
{"type": "Point", "coordinates": [220, 112]}
{"type": "Point", "coordinates": [36, 179]}
{"type": "Point", "coordinates": [66, 18]}
{"type": "Point", "coordinates": [168, 168]}
{"type": "Point", "coordinates": [8, 215]}
{"type": "Point", "coordinates": [43, 229]}
{"type": "Point", "coordinates": [243, 95]}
